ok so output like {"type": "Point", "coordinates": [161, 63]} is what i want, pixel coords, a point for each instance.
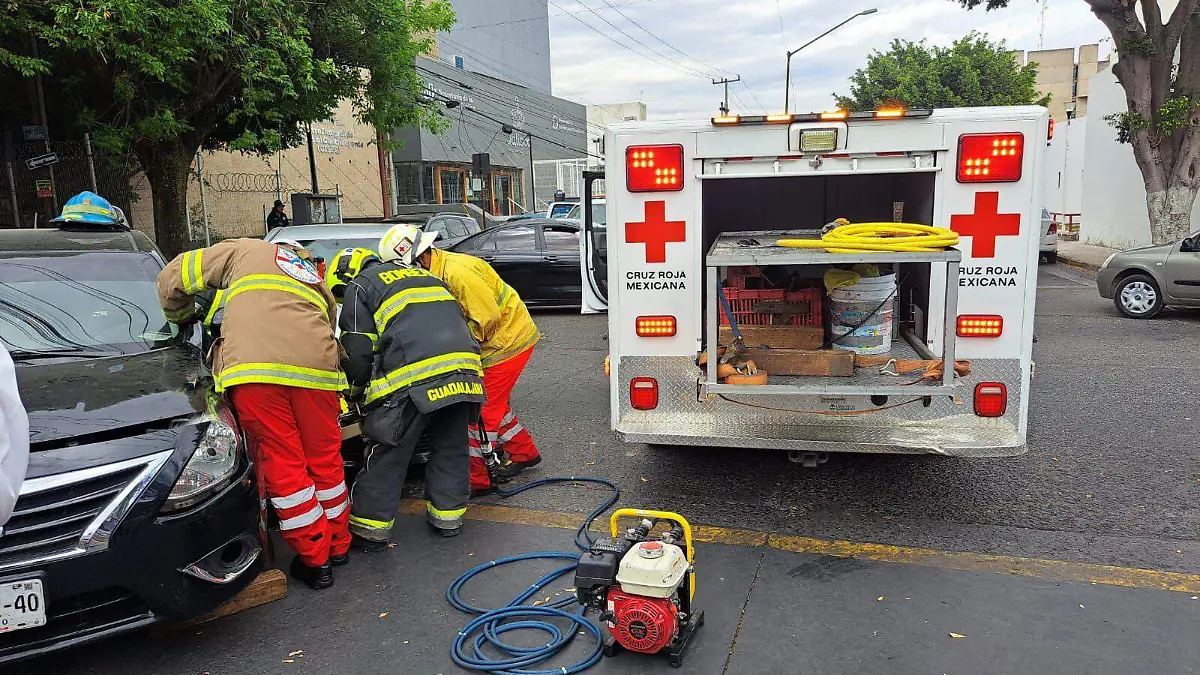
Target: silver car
{"type": "Point", "coordinates": [1049, 247]}
{"type": "Point", "coordinates": [1142, 281]}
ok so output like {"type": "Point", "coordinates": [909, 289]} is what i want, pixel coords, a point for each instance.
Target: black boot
{"type": "Point", "coordinates": [483, 492]}
{"type": "Point", "coordinates": [367, 545]}
{"type": "Point", "coordinates": [445, 532]}
{"type": "Point", "coordinates": [316, 578]}
{"type": "Point", "coordinates": [339, 560]}
{"type": "Point", "coordinates": [510, 469]}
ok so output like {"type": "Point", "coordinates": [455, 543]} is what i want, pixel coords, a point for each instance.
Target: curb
{"type": "Point", "coordinates": [1077, 263]}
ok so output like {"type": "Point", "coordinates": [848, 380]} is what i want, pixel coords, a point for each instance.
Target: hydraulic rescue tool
{"type": "Point", "coordinates": [643, 585]}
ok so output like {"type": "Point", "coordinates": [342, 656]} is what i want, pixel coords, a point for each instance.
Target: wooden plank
{"type": "Point", "coordinates": [827, 362]}
{"type": "Point", "coordinates": [777, 337]}
{"type": "Point", "coordinates": [269, 586]}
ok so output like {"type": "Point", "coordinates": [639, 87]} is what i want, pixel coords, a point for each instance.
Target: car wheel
{"type": "Point", "coordinates": [1138, 297]}
{"type": "Point", "coordinates": [1051, 257]}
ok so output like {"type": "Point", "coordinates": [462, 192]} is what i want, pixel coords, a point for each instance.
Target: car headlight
{"type": "Point", "coordinates": [213, 464]}
{"type": "Point", "coordinates": [1107, 261]}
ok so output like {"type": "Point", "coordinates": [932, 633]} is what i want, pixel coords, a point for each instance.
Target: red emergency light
{"type": "Point", "coordinates": [654, 168]}
{"type": "Point", "coordinates": [990, 158]}
{"type": "Point", "coordinates": [656, 326]}
{"type": "Point", "coordinates": [643, 393]}
{"type": "Point", "coordinates": [991, 399]}
{"type": "Point", "coordinates": [980, 325]}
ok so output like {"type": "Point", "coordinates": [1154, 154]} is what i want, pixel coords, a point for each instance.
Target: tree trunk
{"type": "Point", "coordinates": [167, 164]}
{"type": "Point", "coordinates": [1171, 212]}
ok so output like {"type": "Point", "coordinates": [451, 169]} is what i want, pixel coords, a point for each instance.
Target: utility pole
{"type": "Point", "coordinates": [531, 200]}
{"type": "Point", "coordinates": [1042, 28]}
{"type": "Point", "coordinates": [787, 85]}
{"type": "Point", "coordinates": [725, 102]}
{"type": "Point", "coordinates": [41, 99]}
{"type": "Point", "coordinates": [312, 161]}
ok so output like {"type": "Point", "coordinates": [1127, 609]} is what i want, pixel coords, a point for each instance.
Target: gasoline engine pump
{"type": "Point", "coordinates": [643, 586]}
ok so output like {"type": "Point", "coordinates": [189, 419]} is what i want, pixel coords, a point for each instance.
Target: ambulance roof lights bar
{"type": "Point", "coordinates": [827, 116]}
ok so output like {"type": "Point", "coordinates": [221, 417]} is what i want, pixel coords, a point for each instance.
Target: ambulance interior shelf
{"type": "Point", "coordinates": [758, 249]}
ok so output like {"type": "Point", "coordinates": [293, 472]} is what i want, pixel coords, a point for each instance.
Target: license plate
{"type": "Point", "coordinates": [22, 605]}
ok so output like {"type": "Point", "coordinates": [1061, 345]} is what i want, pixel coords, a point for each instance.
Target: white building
{"type": "Point", "coordinates": [598, 119]}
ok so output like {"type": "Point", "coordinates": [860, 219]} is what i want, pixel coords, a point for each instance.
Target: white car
{"type": "Point", "coordinates": [1049, 247]}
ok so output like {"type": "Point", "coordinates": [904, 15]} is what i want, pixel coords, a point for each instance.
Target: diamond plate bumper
{"type": "Point", "coordinates": [946, 426]}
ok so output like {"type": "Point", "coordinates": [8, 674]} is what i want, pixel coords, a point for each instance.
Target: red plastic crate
{"type": "Point", "coordinates": [742, 303]}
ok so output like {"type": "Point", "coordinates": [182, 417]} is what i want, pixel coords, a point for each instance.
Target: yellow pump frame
{"type": "Point", "coordinates": [689, 545]}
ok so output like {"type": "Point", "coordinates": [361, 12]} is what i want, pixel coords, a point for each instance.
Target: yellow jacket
{"type": "Point", "coordinates": [497, 317]}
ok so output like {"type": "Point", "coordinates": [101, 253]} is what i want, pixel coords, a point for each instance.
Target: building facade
{"type": "Point", "coordinates": [1065, 75]}
{"type": "Point", "coordinates": [598, 119]}
{"type": "Point", "coordinates": [507, 40]}
{"type": "Point", "coordinates": [516, 126]}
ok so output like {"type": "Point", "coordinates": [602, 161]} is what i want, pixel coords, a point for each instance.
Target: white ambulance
{"type": "Point", "coordinates": [689, 202]}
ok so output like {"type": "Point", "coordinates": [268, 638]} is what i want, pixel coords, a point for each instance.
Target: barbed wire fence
{"type": "Point", "coordinates": [231, 204]}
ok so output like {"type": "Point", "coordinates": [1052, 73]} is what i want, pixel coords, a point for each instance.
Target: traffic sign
{"type": "Point", "coordinates": [41, 160]}
{"type": "Point", "coordinates": [44, 189]}
{"type": "Point", "coordinates": [34, 133]}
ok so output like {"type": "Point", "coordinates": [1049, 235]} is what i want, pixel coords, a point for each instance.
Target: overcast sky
{"type": "Point", "coordinates": [748, 37]}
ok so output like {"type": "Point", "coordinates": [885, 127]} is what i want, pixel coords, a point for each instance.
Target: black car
{"type": "Point", "coordinates": [538, 258]}
{"type": "Point", "coordinates": [139, 504]}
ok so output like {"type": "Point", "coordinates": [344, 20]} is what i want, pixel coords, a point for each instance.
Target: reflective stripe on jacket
{"type": "Point", "coordinates": [495, 313]}
{"type": "Point", "coordinates": [275, 314]}
{"type": "Point", "coordinates": [417, 331]}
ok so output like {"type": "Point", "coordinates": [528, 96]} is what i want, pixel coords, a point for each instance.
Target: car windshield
{"type": "Point", "coordinates": [83, 303]}
{"type": "Point", "coordinates": [327, 248]}
{"type": "Point", "coordinates": [599, 214]}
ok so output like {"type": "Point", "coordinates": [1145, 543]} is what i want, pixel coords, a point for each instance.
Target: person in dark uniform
{"type": "Point", "coordinates": [408, 345]}
{"type": "Point", "coordinates": [277, 218]}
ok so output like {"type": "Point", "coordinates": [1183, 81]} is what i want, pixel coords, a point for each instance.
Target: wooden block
{"type": "Point", "coordinates": [269, 586]}
{"type": "Point", "coordinates": [777, 337]}
{"type": "Point", "coordinates": [827, 362]}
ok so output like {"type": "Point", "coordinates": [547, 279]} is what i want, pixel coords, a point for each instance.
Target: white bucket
{"type": "Point", "coordinates": [850, 305]}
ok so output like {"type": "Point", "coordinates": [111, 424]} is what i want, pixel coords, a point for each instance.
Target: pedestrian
{"type": "Point", "coordinates": [14, 437]}
{"type": "Point", "coordinates": [277, 218]}
{"type": "Point", "coordinates": [500, 322]}
{"type": "Point", "coordinates": [277, 362]}
{"type": "Point", "coordinates": [408, 346]}
{"type": "Point", "coordinates": [559, 195]}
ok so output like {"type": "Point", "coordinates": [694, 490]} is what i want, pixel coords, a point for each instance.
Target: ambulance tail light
{"type": "Point", "coordinates": [654, 168]}
{"type": "Point", "coordinates": [991, 399]}
{"type": "Point", "coordinates": [656, 326]}
{"type": "Point", "coordinates": [990, 158]}
{"type": "Point", "coordinates": [643, 393]}
{"type": "Point", "coordinates": [980, 325]}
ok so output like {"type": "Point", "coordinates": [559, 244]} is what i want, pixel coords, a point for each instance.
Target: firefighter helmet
{"type": "Point", "coordinates": [90, 208]}
{"type": "Point", "coordinates": [345, 266]}
{"type": "Point", "coordinates": [404, 244]}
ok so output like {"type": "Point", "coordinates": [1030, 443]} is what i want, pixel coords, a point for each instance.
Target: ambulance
{"type": "Point", "coordinates": [691, 203]}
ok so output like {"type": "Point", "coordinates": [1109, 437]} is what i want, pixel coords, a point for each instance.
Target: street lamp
{"type": "Point", "coordinates": [788, 84]}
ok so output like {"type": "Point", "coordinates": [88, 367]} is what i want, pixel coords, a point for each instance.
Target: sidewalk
{"type": "Point", "coordinates": [1083, 255]}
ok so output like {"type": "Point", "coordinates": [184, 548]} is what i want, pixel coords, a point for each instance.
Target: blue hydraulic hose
{"type": "Point", "coordinates": [490, 624]}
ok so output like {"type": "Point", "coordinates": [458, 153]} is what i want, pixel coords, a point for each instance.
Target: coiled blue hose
{"type": "Point", "coordinates": [490, 624]}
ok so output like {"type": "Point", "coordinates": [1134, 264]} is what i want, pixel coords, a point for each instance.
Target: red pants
{"type": "Point", "coordinates": [504, 430]}
{"type": "Point", "coordinates": [297, 445]}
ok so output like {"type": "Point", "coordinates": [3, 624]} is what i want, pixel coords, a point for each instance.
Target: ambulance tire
{"type": "Point", "coordinates": [1132, 293]}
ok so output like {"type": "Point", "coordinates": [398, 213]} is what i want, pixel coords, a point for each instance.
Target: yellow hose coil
{"type": "Point", "coordinates": [859, 237]}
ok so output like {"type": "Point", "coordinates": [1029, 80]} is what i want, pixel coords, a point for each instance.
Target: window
{"type": "Point", "coordinates": [463, 226]}
{"type": "Point", "coordinates": [561, 239]}
{"type": "Point", "coordinates": [459, 62]}
{"type": "Point", "coordinates": [327, 248]}
{"type": "Point", "coordinates": [561, 209]}
{"type": "Point", "coordinates": [519, 238]}
{"type": "Point", "coordinates": [440, 225]}
{"type": "Point", "coordinates": [483, 243]}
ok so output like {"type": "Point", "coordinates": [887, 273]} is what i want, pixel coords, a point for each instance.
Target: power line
{"type": "Point", "coordinates": [753, 96]}
{"type": "Point", "coordinates": [503, 123]}
{"type": "Point", "coordinates": [538, 18]}
{"type": "Point", "coordinates": [668, 45]}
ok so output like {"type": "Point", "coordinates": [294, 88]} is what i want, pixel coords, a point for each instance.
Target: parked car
{"type": "Point", "coordinates": [324, 241]}
{"type": "Point", "coordinates": [1142, 281]}
{"type": "Point", "coordinates": [599, 216]}
{"type": "Point", "coordinates": [1049, 247]}
{"type": "Point", "coordinates": [538, 258]}
{"type": "Point", "coordinates": [139, 504]}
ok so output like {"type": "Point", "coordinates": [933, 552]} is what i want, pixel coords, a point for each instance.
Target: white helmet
{"type": "Point", "coordinates": [405, 243]}
{"type": "Point", "coordinates": [288, 242]}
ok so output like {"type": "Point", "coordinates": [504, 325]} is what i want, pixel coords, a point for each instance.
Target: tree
{"type": "Point", "coordinates": [165, 78]}
{"type": "Point", "coordinates": [1158, 66]}
{"type": "Point", "coordinates": [970, 72]}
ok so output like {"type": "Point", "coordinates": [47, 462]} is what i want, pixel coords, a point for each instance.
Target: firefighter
{"type": "Point", "coordinates": [407, 344]}
{"type": "Point", "coordinates": [506, 334]}
{"type": "Point", "coordinates": [276, 360]}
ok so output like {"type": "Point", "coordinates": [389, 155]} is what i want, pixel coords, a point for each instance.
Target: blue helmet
{"type": "Point", "coordinates": [89, 207]}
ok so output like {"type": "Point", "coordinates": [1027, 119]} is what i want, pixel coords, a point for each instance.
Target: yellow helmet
{"type": "Point", "coordinates": [345, 266]}
{"type": "Point", "coordinates": [404, 244]}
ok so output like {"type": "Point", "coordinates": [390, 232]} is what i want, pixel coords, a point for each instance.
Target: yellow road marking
{"type": "Point", "coordinates": [1060, 570]}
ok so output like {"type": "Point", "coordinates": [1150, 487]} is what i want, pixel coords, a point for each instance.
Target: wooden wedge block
{"type": "Point", "coordinates": [268, 586]}
{"type": "Point", "coordinates": [778, 337]}
{"type": "Point", "coordinates": [825, 362]}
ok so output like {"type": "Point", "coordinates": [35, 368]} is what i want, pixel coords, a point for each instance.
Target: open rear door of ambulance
{"type": "Point", "coordinates": [593, 249]}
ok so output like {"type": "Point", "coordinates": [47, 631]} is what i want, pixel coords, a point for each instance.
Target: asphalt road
{"type": "Point", "coordinates": [1112, 475]}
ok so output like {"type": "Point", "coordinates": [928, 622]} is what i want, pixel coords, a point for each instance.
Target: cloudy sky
{"type": "Point", "coordinates": [748, 37]}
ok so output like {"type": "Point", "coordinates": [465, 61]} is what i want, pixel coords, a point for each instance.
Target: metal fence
{"type": "Point", "coordinates": [560, 174]}
{"type": "Point", "coordinates": [29, 197]}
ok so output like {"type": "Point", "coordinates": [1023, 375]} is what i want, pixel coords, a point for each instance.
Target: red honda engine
{"type": "Point", "coordinates": [642, 624]}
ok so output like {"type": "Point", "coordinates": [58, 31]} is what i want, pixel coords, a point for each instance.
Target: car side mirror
{"type": "Point", "coordinates": [1190, 244]}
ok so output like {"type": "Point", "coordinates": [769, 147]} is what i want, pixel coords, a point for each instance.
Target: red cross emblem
{"type": "Point", "coordinates": [986, 224]}
{"type": "Point", "coordinates": [655, 232]}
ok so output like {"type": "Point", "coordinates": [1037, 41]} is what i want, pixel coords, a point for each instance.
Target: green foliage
{"type": "Point", "coordinates": [242, 74]}
{"type": "Point", "coordinates": [1175, 114]}
{"type": "Point", "coordinates": [973, 71]}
